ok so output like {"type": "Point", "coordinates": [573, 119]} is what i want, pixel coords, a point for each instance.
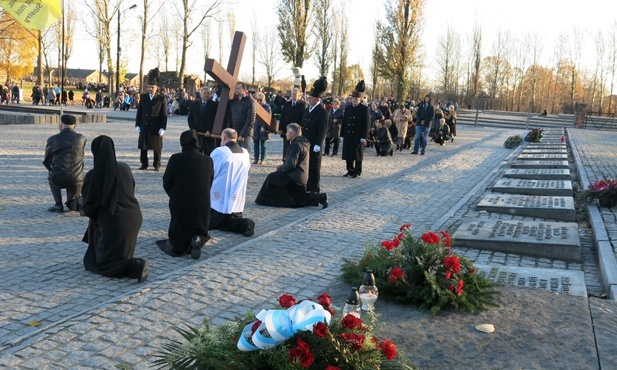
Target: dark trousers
{"type": "Point", "coordinates": [143, 158]}
{"type": "Point", "coordinates": [354, 167]}
{"type": "Point", "coordinates": [232, 222]}
{"type": "Point", "coordinates": [285, 147]}
{"type": "Point", "coordinates": [314, 176]}
{"type": "Point", "coordinates": [72, 193]}
{"type": "Point", "coordinates": [208, 144]}
{"type": "Point", "coordinates": [332, 142]}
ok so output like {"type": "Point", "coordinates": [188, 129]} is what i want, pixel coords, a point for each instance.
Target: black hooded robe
{"type": "Point", "coordinates": [187, 180]}
{"type": "Point", "coordinates": [111, 234]}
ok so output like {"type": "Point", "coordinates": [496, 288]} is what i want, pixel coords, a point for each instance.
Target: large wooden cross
{"type": "Point", "coordinates": [227, 80]}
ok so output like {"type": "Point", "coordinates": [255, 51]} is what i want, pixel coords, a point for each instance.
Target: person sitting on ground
{"type": "Point", "coordinates": [187, 181]}
{"type": "Point", "coordinates": [384, 142]}
{"type": "Point", "coordinates": [443, 132]}
{"type": "Point", "coordinates": [544, 114]}
{"type": "Point", "coordinates": [114, 216]}
{"type": "Point", "coordinates": [286, 187]}
{"type": "Point", "coordinates": [450, 117]}
{"type": "Point", "coordinates": [64, 159]}
{"type": "Point", "coordinates": [228, 194]}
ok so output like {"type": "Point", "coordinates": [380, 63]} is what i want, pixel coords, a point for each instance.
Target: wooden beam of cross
{"type": "Point", "coordinates": [227, 80]}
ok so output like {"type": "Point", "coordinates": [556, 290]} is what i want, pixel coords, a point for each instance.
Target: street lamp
{"type": "Point", "coordinates": [119, 50]}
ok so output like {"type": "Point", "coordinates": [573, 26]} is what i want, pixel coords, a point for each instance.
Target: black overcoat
{"type": "Point", "coordinates": [314, 124]}
{"type": "Point", "coordinates": [151, 117]}
{"type": "Point", "coordinates": [356, 124]}
{"type": "Point", "coordinates": [334, 129]}
{"type": "Point", "coordinates": [202, 120]}
{"type": "Point", "coordinates": [291, 114]}
{"type": "Point", "coordinates": [187, 181]}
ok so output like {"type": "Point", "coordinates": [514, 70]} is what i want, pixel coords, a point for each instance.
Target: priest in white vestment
{"type": "Point", "coordinates": [228, 193]}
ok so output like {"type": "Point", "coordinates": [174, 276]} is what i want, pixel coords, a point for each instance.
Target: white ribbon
{"type": "Point", "coordinates": [282, 325]}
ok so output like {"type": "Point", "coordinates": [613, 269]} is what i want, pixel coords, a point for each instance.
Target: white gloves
{"type": "Point", "coordinates": [316, 148]}
{"type": "Point", "coordinates": [341, 139]}
{"type": "Point", "coordinates": [161, 132]}
{"type": "Point", "coordinates": [138, 129]}
{"type": "Point", "coordinates": [362, 140]}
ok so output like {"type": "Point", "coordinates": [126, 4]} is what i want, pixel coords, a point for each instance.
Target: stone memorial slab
{"type": "Point", "coordinates": [548, 239]}
{"type": "Point", "coordinates": [538, 173]}
{"type": "Point", "coordinates": [539, 164]}
{"type": "Point", "coordinates": [548, 207]}
{"type": "Point", "coordinates": [542, 157]}
{"type": "Point", "coordinates": [534, 187]}
{"type": "Point", "coordinates": [557, 281]}
{"type": "Point", "coordinates": [546, 146]}
{"type": "Point", "coordinates": [545, 151]}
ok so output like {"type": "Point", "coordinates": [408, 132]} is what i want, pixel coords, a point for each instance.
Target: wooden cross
{"type": "Point", "coordinates": [227, 79]}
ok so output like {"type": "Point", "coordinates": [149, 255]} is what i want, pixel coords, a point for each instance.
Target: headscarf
{"type": "Point", "coordinates": [103, 189]}
{"type": "Point", "coordinates": [190, 140]}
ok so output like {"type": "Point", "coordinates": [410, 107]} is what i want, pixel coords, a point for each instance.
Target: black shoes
{"type": "Point", "coordinates": [196, 247]}
{"type": "Point", "coordinates": [348, 174]}
{"type": "Point", "coordinates": [157, 169]}
{"type": "Point", "coordinates": [249, 229]}
{"type": "Point", "coordinates": [414, 152]}
{"type": "Point", "coordinates": [143, 167]}
{"type": "Point", "coordinates": [142, 267]}
{"type": "Point", "coordinates": [323, 200]}
{"type": "Point", "coordinates": [422, 153]}
{"type": "Point", "coordinates": [56, 208]}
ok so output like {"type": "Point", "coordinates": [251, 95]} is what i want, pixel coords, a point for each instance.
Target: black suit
{"type": "Point", "coordinates": [201, 119]}
{"type": "Point", "coordinates": [314, 125]}
{"type": "Point", "coordinates": [151, 117]}
{"type": "Point", "coordinates": [291, 113]}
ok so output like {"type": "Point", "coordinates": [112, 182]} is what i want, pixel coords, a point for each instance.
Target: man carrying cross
{"type": "Point", "coordinates": [241, 114]}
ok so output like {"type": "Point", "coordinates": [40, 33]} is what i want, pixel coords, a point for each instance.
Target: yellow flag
{"type": "Point", "coordinates": [34, 14]}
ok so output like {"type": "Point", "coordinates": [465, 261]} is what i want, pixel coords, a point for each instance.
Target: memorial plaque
{"type": "Point", "coordinates": [539, 164]}
{"type": "Point", "coordinates": [546, 146]}
{"type": "Point", "coordinates": [538, 173]}
{"type": "Point", "coordinates": [545, 151]}
{"type": "Point", "coordinates": [549, 239]}
{"type": "Point", "coordinates": [534, 187]}
{"type": "Point", "coordinates": [557, 281]}
{"type": "Point", "coordinates": [548, 207]}
{"type": "Point", "coordinates": [542, 157]}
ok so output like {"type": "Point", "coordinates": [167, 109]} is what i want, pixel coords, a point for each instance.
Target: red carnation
{"type": "Point", "coordinates": [450, 288]}
{"type": "Point", "coordinates": [320, 329]}
{"type": "Point", "coordinates": [352, 322]}
{"type": "Point", "coordinates": [302, 353]}
{"type": "Point", "coordinates": [396, 274]}
{"type": "Point", "coordinates": [396, 242]}
{"type": "Point", "coordinates": [330, 367]}
{"type": "Point", "coordinates": [325, 300]}
{"type": "Point", "coordinates": [460, 286]}
{"type": "Point", "coordinates": [387, 244]}
{"type": "Point", "coordinates": [472, 271]}
{"type": "Point", "coordinates": [452, 263]}
{"type": "Point", "coordinates": [255, 326]}
{"type": "Point", "coordinates": [405, 226]}
{"type": "Point", "coordinates": [448, 274]}
{"type": "Point", "coordinates": [388, 349]}
{"type": "Point", "coordinates": [401, 236]}
{"type": "Point", "coordinates": [446, 236]}
{"type": "Point", "coordinates": [356, 341]}
{"type": "Point", "coordinates": [287, 300]}
{"type": "Point", "coordinates": [430, 238]}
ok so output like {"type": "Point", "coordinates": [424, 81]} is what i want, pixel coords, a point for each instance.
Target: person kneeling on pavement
{"type": "Point", "coordinates": [443, 132]}
{"type": "Point", "coordinates": [286, 187]}
{"type": "Point", "coordinates": [228, 194]}
{"type": "Point", "coordinates": [64, 159]}
{"type": "Point", "coordinates": [187, 181]}
{"type": "Point", "coordinates": [384, 140]}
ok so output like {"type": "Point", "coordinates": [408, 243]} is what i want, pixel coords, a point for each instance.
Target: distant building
{"type": "Point", "coordinates": [87, 76]}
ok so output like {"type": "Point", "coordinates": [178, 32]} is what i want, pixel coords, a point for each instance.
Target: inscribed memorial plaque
{"type": "Point", "coordinates": [534, 187]}
{"type": "Point", "coordinates": [545, 151]}
{"type": "Point", "coordinates": [548, 207]}
{"type": "Point", "coordinates": [542, 157]}
{"type": "Point", "coordinates": [549, 239]}
{"type": "Point", "coordinates": [538, 173]}
{"type": "Point", "coordinates": [539, 164]}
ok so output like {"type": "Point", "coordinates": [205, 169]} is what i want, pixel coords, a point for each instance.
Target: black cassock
{"type": "Point", "coordinates": [187, 181]}
{"type": "Point", "coordinates": [115, 217]}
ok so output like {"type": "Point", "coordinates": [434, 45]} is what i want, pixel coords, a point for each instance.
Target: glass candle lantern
{"type": "Point", "coordinates": [352, 304]}
{"type": "Point", "coordinates": [368, 291]}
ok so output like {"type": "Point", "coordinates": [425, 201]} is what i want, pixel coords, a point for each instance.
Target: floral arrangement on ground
{"type": "Point", "coordinates": [513, 142]}
{"type": "Point", "coordinates": [423, 271]}
{"type": "Point", "coordinates": [603, 191]}
{"type": "Point", "coordinates": [301, 335]}
{"type": "Point", "coordinates": [535, 135]}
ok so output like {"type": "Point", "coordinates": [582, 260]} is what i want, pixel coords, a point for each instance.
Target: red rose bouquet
{"type": "Point", "coordinates": [603, 191]}
{"type": "Point", "coordinates": [423, 271]}
{"type": "Point", "coordinates": [331, 342]}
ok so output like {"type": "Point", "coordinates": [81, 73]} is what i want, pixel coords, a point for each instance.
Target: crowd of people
{"type": "Point", "coordinates": [207, 181]}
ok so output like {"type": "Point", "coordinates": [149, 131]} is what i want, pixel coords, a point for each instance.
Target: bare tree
{"type": "Point", "coordinates": [575, 47]}
{"type": "Point", "coordinates": [145, 19]}
{"type": "Point", "coordinates": [476, 58]}
{"type": "Point", "coordinates": [185, 10]}
{"type": "Point", "coordinates": [399, 42]}
{"type": "Point", "coordinates": [521, 52]}
{"type": "Point", "coordinates": [497, 65]}
{"type": "Point", "coordinates": [205, 36]}
{"type": "Point", "coordinates": [269, 55]}
{"type": "Point", "coordinates": [336, 41]}
{"type": "Point", "coordinates": [374, 69]}
{"type": "Point", "coordinates": [323, 35]}
{"type": "Point", "coordinates": [599, 76]}
{"type": "Point", "coordinates": [612, 65]}
{"type": "Point", "coordinates": [293, 28]}
{"type": "Point", "coordinates": [344, 50]}
{"type": "Point", "coordinates": [254, 44]}
{"type": "Point", "coordinates": [166, 41]}
{"type": "Point", "coordinates": [446, 54]}
{"type": "Point", "coordinates": [535, 54]}
{"type": "Point", "coordinates": [104, 13]}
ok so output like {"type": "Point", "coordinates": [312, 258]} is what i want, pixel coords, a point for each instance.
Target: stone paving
{"type": "Point", "coordinates": [89, 321]}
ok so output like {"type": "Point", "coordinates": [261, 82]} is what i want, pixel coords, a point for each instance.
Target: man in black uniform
{"type": "Point", "coordinates": [151, 122]}
{"type": "Point", "coordinates": [356, 124]}
{"type": "Point", "coordinates": [314, 125]}
{"type": "Point", "coordinates": [201, 119]}
{"type": "Point", "coordinates": [292, 112]}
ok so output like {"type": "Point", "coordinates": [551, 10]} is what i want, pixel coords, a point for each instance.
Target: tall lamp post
{"type": "Point", "coordinates": [119, 50]}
